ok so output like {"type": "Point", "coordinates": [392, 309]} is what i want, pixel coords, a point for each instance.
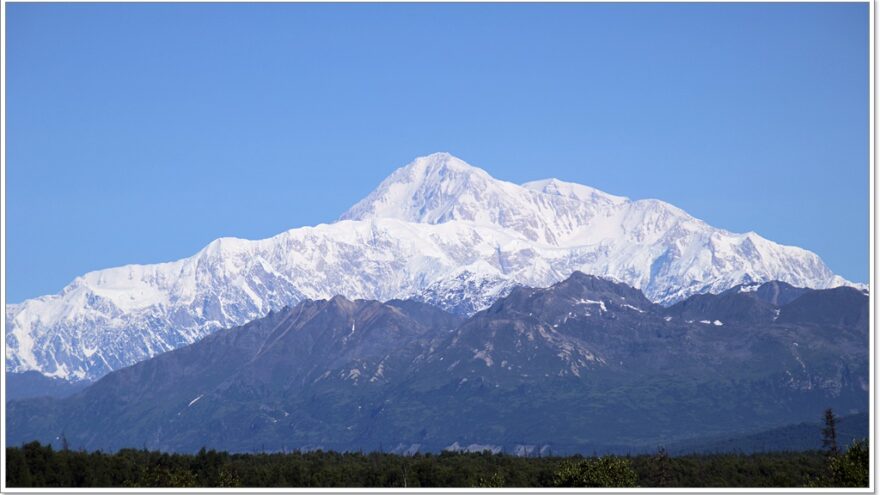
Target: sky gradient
{"type": "Point", "coordinates": [138, 133]}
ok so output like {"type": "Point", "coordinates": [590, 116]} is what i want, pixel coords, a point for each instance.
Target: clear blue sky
{"type": "Point", "coordinates": [138, 133]}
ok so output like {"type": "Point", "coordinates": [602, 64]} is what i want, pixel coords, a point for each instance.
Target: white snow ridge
{"type": "Point", "coordinates": [437, 229]}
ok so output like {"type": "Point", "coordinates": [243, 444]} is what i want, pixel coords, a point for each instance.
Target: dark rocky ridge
{"type": "Point", "coordinates": [583, 365]}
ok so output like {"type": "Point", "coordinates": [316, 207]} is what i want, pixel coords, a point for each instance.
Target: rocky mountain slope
{"type": "Point", "coordinates": [583, 365]}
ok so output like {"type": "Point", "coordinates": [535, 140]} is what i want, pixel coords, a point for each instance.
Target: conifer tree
{"type": "Point", "coordinates": [829, 434]}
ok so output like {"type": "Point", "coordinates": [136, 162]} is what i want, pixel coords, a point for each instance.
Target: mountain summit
{"type": "Point", "coordinates": [441, 188]}
{"type": "Point", "coordinates": [437, 230]}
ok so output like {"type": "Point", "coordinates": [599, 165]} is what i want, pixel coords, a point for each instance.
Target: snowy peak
{"type": "Point", "coordinates": [441, 188]}
{"type": "Point", "coordinates": [574, 191]}
{"type": "Point", "coordinates": [431, 188]}
{"type": "Point", "coordinates": [443, 164]}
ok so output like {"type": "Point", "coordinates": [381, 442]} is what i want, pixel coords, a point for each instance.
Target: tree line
{"type": "Point", "coordinates": [36, 465]}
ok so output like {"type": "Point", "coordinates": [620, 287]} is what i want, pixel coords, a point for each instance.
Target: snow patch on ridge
{"type": "Point", "coordinates": [601, 304]}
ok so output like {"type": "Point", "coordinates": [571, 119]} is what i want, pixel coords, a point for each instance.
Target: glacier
{"type": "Point", "coordinates": [437, 230]}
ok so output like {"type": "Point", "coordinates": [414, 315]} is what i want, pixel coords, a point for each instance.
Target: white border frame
{"type": "Point", "coordinates": [871, 284]}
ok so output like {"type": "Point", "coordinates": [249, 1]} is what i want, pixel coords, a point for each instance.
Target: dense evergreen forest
{"type": "Point", "coordinates": [36, 465]}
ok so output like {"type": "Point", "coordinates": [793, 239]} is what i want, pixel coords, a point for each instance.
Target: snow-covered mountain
{"type": "Point", "coordinates": [647, 243]}
{"type": "Point", "coordinates": [437, 230]}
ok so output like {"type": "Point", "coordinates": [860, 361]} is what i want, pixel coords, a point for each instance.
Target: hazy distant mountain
{"type": "Point", "coordinates": [583, 365]}
{"type": "Point", "coordinates": [437, 230]}
{"type": "Point", "coordinates": [792, 438]}
{"type": "Point", "coordinates": [33, 384]}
